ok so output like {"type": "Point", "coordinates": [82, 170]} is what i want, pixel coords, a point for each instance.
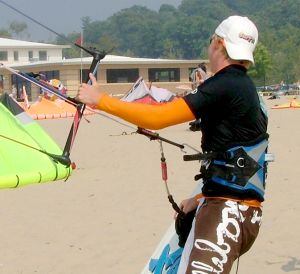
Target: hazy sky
{"type": "Point", "coordinates": [64, 16]}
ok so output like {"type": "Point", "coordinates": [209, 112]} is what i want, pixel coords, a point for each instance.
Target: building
{"type": "Point", "coordinates": [116, 73]}
{"type": "Point", "coordinates": [15, 51]}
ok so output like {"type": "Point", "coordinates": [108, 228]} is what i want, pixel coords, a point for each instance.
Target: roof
{"type": "Point", "coordinates": [12, 43]}
{"type": "Point", "coordinates": [109, 59]}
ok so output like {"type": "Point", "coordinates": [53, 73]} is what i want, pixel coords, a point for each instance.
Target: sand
{"type": "Point", "coordinates": [111, 213]}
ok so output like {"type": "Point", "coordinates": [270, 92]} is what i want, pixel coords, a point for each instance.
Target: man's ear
{"type": "Point", "coordinates": [220, 42]}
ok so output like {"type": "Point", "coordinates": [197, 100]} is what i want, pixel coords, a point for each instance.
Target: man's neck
{"type": "Point", "coordinates": [228, 62]}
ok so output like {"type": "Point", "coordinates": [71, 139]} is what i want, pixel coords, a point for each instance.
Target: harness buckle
{"type": "Point", "coordinates": [240, 162]}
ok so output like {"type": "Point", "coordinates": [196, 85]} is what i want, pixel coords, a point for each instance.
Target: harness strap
{"type": "Point", "coordinates": [250, 202]}
{"type": "Point", "coordinates": [205, 156]}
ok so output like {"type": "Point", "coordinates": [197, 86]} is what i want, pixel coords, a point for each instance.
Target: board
{"type": "Point", "coordinates": [166, 257]}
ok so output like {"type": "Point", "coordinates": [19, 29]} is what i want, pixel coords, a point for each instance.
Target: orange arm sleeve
{"type": "Point", "coordinates": [148, 116]}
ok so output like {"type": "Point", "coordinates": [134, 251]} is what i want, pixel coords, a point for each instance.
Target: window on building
{"type": "Point", "coordinates": [42, 55]}
{"type": "Point", "coordinates": [30, 55]}
{"type": "Point", "coordinates": [18, 83]}
{"type": "Point", "coordinates": [164, 75]}
{"type": "Point", "coordinates": [16, 56]}
{"type": "Point", "coordinates": [3, 56]}
{"type": "Point", "coordinates": [122, 75]}
{"type": "Point", "coordinates": [48, 75]}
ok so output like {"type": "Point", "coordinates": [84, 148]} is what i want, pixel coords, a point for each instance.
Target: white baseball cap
{"type": "Point", "coordinates": [240, 37]}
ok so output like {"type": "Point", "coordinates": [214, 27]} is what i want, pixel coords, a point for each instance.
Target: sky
{"type": "Point", "coordinates": [64, 16]}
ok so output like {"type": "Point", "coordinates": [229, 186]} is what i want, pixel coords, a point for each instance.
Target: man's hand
{"type": "Point", "coordinates": [90, 94]}
{"type": "Point", "coordinates": [188, 205]}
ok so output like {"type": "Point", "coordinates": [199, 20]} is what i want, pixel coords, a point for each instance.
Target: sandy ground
{"type": "Point", "coordinates": [111, 213]}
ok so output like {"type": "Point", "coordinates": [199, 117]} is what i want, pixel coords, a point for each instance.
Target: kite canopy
{"type": "Point", "coordinates": [291, 104]}
{"type": "Point", "coordinates": [22, 146]}
{"type": "Point", "coordinates": [142, 94]}
{"type": "Point", "coordinates": [47, 107]}
{"type": "Point", "coordinates": [51, 109]}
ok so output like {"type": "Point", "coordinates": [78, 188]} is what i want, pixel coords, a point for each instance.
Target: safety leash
{"type": "Point", "coordinates": [164, 173]}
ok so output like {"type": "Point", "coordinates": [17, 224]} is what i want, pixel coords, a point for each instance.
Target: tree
{"type": "Point", "coordinates": [262, 63]}
{"type": "Point", "coordinates": [17, 27]}
{"type": "Point", "coordinates": [5, 33]}
{"type": "Point", "coordinates": [73, 52]}
{"type": "Point", "coordinates": [169, 49]}
{"type": "Point", "coordinates": [135, 29]}
{"type": "Point", "coordinates": [107, 43]}
{"type": "Point", "coordinates": [212, 9]}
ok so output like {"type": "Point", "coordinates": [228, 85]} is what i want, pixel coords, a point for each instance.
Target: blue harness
{"type": "Point", "coordinates": [241, 168]}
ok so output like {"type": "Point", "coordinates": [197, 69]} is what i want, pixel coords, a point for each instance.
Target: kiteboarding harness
{"type": "Point", "coordinates": [240, 168]}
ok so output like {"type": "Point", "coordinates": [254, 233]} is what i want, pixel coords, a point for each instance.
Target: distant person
{"type": "Point", "coordinates": [199, 75]}
{"type": "Point", "coordinates": [13, 92]}
{"type": "Point", "coordinates": [58, 85]}
{"type": "Point", "coordinates": [234, 140]}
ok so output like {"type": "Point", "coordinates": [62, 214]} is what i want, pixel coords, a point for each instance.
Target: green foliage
{"type": "Point", "coordinates": [166, 10]}
{"type": "Point", "coordinates": [212, 9]}
{"type": "Point", "coordinates": [262, 64]}
{"type": "Point", "coordinates": [248, 8]}
{"type": "Point", "coordinates": [4, 33]}
{"type": "Point", "coordinates": [73, 52]}
{"type": "Point", "coordinates": [17, 27]}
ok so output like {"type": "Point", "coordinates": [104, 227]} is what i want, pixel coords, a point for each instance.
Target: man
{"type": "Point", "coordinates": [234, 140]}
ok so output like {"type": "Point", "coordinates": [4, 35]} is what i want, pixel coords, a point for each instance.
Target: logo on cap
{"type": "Point", "coordinates": [246, 37]}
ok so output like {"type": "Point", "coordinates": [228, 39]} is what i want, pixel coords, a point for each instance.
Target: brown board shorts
{"type": "Point", "coordinates": [223, 231]}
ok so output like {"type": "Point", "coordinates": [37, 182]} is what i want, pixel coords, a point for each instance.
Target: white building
{"type": "Point", "coordinates": [17, 51]}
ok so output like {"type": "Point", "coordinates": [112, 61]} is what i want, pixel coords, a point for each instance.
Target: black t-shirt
{"type": "Point", "coordinates": [230, 112]}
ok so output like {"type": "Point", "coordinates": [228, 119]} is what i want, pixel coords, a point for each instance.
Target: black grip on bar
{"type": "Point", "coordinates": [155, 136]}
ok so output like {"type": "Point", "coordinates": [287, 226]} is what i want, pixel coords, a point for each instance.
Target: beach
{"type": "Point", "coordinates": [111, 213]}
